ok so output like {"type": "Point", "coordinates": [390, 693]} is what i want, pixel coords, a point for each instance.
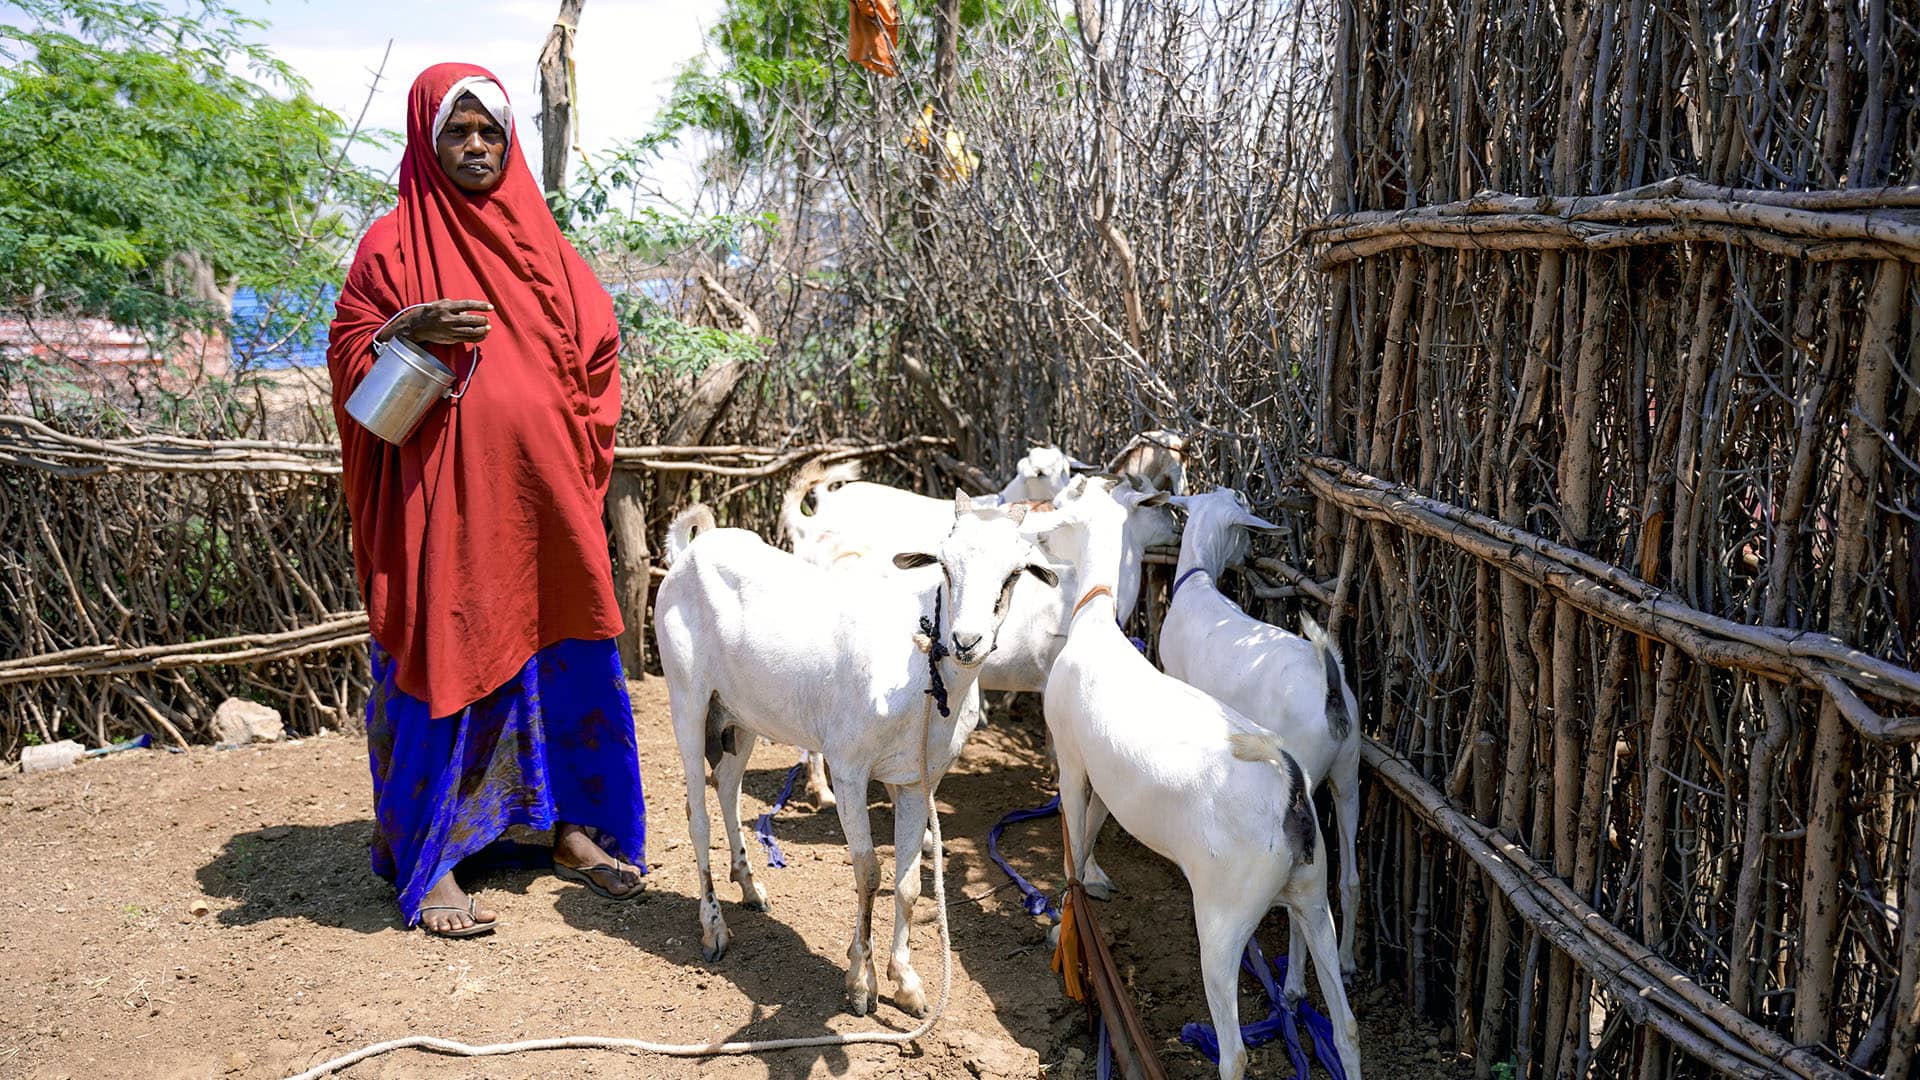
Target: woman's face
{"type": "Point", "coordinates": [471, 146]}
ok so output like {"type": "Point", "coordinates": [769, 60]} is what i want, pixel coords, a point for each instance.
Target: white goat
{"type": "Point", "coordinates": [755, 642]}
{"type": "Point", "coordinates": [1041, 475]}
{"type": "Point", "coordinates": [863, 516]}
{"type": "Point", "coordinates": [830, 514]}
{"type": "Point", "coordinates": [1290, 685]}
{"type": "Point", "coordinates": [859, 526]}
{"type": "Point", "coordinates": [1190, 778]}
{"type": "Point", "coordinates": [1158, 457]}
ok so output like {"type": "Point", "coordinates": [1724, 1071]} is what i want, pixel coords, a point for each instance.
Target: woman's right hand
{"type": "Point", "coordinates": [442, 322]}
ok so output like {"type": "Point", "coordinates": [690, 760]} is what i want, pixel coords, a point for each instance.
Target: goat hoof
{"type": "Point", "coordinates": [1096, 882]}
{"type": "Point", "coordinates": [912, 1002]}
{"type": "Point", "coordinates": [859, 1005]}
{"type": "Point", "coordinates": [713, 946]}
{"type": "Point", "coordinates": [1053, 937]}
{"type": "Point", "coordinates": [824, 800]}
{"type": "Point", "coordinates": [757, 899]}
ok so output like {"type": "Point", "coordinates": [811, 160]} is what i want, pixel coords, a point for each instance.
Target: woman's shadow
{"type": "Point", "coordinates": [313, 872]}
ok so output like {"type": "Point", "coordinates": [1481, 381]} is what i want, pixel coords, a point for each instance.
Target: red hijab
{"type": "Point", "coordinates": [479, 542]}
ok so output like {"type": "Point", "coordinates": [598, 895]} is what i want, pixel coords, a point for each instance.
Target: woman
{"type": "Point", "coordinates": [498, 697]}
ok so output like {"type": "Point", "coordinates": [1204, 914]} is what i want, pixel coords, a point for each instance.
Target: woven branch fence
{"type": "Point", "coordinates": [1592, 355]}
{"type": "Point", "coordinates": [1619, 410]}
{"type": "Point", "coordinates": [132, 562]}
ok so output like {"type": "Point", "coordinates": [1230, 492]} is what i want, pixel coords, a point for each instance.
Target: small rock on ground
{"type": "Point", "coordinates": [238, 721]}
{"type": "Point", "coordinates": [994, 1059]}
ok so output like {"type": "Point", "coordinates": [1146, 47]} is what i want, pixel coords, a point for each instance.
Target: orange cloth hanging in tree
{"type": "Point", "coordinates": [873, 29]}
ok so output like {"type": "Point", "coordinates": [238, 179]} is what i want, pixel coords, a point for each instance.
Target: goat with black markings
{"type": "Point", "coordinates": [1290, 684]}
{"type": "Point", "coordinates": [1190, 778]}
{"type": "Point", "coordinates": [756, 642]}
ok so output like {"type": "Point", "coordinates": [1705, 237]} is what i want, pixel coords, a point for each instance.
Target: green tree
{"type": "Point", "coordinates": [136, 166]}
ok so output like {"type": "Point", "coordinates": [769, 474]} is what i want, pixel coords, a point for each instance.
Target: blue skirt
{"type": "Point", "coordinates": [554, 744]}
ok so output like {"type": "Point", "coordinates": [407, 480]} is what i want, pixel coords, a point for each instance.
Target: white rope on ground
{"type": "Point", "coordinates": [757, 1046]}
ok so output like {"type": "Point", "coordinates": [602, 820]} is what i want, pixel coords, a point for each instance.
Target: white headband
{"type": "Point", "coordinates": [491, 98]}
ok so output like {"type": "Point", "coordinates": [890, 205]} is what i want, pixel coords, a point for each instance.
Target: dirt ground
{"type": "Point", "coordinates": [299, 955]}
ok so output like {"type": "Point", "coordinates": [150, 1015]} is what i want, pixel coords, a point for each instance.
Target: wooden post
{"type": "Point", "coordinates": [556, 98]}
{"type": "Point", "coordinates": [632, 566]}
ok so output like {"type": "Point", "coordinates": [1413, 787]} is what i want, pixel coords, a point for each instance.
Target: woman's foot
{"type": "Point", "coordinates": [575, 850]}
{"type": "Point", "coordinates": [447, 909]}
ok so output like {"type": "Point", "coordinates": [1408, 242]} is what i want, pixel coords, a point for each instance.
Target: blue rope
{"type": "Point", "coordinates": [1175, 591]}
{"type": "Point", "coordinates": [1103, 1053]}
{"type": "Point", "coordinates": [1036, 902]}
{"type": "Point", "coordinates": [1280, 1023]}
{"type": "Point", "coordinates": [763, 826]}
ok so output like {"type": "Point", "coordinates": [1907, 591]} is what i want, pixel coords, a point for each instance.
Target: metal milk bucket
{"type": "Point", "coordinates": [404, 383]}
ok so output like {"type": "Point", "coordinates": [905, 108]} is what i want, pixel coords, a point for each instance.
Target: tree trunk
{"type": "Point", "coordinates": [705, 406]}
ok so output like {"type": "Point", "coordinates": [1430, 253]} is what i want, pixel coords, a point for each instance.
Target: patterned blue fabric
{"type": "Point", "coordinates": [554, 744]}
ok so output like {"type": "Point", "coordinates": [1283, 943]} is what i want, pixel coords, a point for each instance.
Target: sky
{"type": "Point", "coordinates": [626, 53]}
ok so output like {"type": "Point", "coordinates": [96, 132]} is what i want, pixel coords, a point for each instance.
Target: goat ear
{"type": "Point", "coordinates": [1179, 502]}
{"type": "Point", "coordinates": [1043, 574]}
{"type": "Point", "coordinates": [1257, 524]}
{"type": "Point", "coordinates": [1077, 465]}
{"type": "Point", "coordinates": [1158, 498]}
{"type": "Point", "coordinates": [961, 503]}
{"type": "Point", "coordinates": [914, 560]}
{"type": "Point", "coordinates": [1016, 512]}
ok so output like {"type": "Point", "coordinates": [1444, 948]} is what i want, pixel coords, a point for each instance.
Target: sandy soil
{"type": "Point", "coordinates": [299, 956]}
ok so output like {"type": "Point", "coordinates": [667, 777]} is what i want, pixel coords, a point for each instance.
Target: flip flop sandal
{"type": "Point", "coordinates": [585, 877]}
{"type": "Point", "coordinates": [475, 930]}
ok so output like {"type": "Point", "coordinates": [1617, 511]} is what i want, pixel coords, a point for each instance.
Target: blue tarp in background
{"type": "Point", "coordinates": [256, 330]}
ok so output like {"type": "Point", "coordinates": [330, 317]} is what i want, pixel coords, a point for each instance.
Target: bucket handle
{"type": "Point", "coordinates": [468, 381]}
{"type": "Point", "coordinates": [396, 316]}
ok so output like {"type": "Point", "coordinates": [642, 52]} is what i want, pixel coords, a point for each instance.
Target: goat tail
{"type": "Point", "coordinates": [1301, 828]}
{"type": "Point", "coordinates": [690, 523]}
{"type": "Point", "coordinates": [1340, 718]}
{"type": "Point", "coordinates": [803, 493]}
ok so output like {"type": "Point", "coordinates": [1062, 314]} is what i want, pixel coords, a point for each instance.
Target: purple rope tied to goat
{"type": "Point", "coordinates": [763, 825]}
{"type": "Point", "coordinates": [1103, 1051]}
{"type": "Point", "coordinates": [1280, 1022]}
{"type": "Point", "coordinates": [1036, 902]}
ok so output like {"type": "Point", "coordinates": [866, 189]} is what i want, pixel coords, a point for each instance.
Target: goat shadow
{"type": "Point", "coordinates": [996, 945]}
{"type": "Point", "coordinates": [795, 991]}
